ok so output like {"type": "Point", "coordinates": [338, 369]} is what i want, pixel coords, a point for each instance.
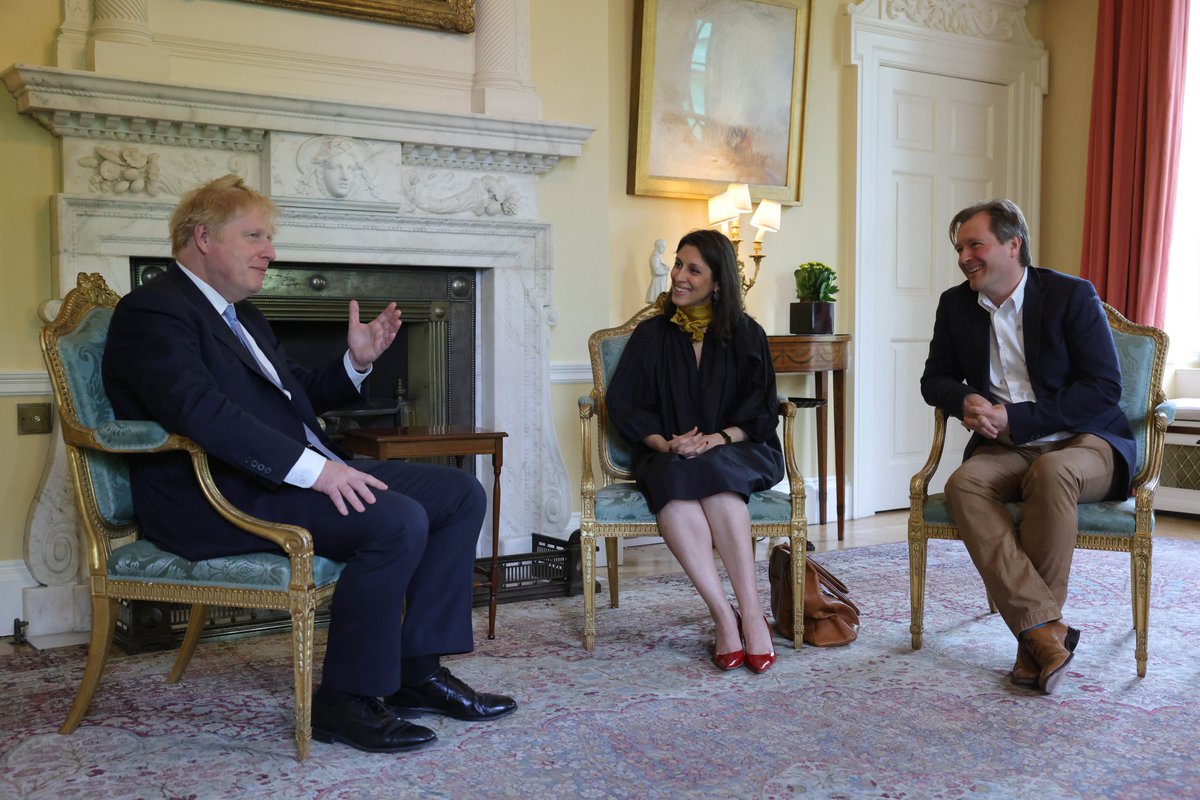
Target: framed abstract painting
{"type": "Point", "coordinates": [718, 97]}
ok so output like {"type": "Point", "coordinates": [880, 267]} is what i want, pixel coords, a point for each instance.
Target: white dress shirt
{"type": "Point", "coordinates": [1008, 375]}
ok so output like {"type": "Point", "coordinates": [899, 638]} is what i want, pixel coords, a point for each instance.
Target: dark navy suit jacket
{"type": "Point", "coordinates": [171, 358]}
{"type": "Point", "coordinates": [1069, 353]}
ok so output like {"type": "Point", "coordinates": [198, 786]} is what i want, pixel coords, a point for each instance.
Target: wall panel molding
{"type": "Point", "coordinates": [19, 384]}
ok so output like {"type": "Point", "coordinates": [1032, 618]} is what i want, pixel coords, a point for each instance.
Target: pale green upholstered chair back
{"type": "Point", "coordinates": [286, 576]}
{"type": "Point", "coordinates": [604, 349]}
{"type": "Point", "coordinates": [1140, 355]}
{"type": "Point", "coordinates": [81, 353]}
{"type": "Point", "coordinates": [1124, 525]}
{"type": "Point", "coordinates": [617, 454]}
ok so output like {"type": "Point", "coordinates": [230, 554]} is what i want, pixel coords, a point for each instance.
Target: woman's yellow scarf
{"type": "Point", "coordinates": [693, 319]}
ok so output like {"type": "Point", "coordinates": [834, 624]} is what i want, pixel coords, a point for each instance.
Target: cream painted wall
{"type": "Point", "coordinates": [200, 33]}
{"type": "Point", "coordinates": [581, 52]}
{"type": "Point", "coordinates": [1069, 31]}
{"type": "Point", "coordinates": [28, 164]}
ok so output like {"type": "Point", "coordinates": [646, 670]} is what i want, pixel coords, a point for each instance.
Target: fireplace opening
{"type": "Point", "coordinates": [313, 343]}
{"type": "Point", "coordinates": [427, 376]}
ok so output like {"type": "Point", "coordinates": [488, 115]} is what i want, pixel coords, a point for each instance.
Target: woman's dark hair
{"type": "Point", "coordinates": [1005, 221]}
{"type": "Point", "coordinates": [717, 252]}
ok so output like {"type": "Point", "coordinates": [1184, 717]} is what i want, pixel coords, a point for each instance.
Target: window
{"type": "Point", "coordinates": [1183, 277]}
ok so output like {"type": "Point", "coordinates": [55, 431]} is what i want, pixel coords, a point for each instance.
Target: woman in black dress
{"type": "Point", "coordinates": [694, 393]}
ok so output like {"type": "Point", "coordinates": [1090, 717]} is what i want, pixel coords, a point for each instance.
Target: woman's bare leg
{"type": "Point", "coordinates": [729, 525]}
{"type": "Point", "coordinates": [685, 529]}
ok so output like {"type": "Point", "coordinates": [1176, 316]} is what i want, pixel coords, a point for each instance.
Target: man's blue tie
{"type": "Point", "coordinates": [235, 325]}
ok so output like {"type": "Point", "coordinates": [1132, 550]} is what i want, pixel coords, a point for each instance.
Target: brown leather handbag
{"type": "Point", "coordinates": [830, 616]}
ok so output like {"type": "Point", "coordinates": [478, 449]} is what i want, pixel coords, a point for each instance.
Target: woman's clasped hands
{"type": "Point", "coordinates": [693, 443]}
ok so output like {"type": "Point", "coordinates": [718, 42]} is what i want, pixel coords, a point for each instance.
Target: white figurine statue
{"type": "Point", "coordinates": [659, 270]}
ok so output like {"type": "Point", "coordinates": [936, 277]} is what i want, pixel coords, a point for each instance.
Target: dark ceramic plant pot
{"type": "Point", "coordinates": [812, 317]}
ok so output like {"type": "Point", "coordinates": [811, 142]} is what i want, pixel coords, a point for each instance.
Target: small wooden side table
{"type": "Point", "coordinates": [456, 441]}
{"type": "Point", "coordinates": [819, 354]}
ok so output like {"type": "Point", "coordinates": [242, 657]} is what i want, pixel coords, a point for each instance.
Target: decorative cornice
{"type": "Point", "coordinates": [995, 20]}
{"type": "Point", "coordinates": [121, 128]}
{"type": "Point", "coordinates": [84, 104]}
{"type": "Point", "coordinates": [475, 158]}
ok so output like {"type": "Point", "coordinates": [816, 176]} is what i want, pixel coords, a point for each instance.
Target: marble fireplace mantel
{"type": "Point", "coordinates": [354, 184]}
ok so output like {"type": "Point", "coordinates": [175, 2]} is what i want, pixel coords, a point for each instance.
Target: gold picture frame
{"type": "Point", "coordinates": [448, 15]}
{"type": "Point", "coordinates": [718, 97]}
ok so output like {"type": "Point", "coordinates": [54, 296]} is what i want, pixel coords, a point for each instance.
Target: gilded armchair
{"type": "Point", "coordinates": [122, 565]}
{"type": "Point", "coordinates": [1124, 526]}
{"type": "Point", "coordinates": [617, 507]}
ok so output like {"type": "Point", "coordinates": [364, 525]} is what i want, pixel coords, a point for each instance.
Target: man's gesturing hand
{"type": "Point", "coordinates": [368, 341]}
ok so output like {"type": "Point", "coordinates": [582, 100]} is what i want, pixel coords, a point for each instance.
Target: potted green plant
{"type": "Point", "coordinates": [816, 285]}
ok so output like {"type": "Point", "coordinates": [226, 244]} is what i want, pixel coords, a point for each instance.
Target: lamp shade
{"type": "Point", "coordinates": [721, 209]}
{"type": "Point", "coordinates": [740, 193]}
{"type": "Point", "coordinates": [767, 216]}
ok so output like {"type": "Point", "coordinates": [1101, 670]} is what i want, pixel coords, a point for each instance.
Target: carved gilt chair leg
{"type": "Point", "coordinates": [104, 622]}
{"type": "Point", "coordinates": [588, 557]}
{"type": "Point", "coordinates": [799, 545]}
{"type": "Point", "coordinates": [303, 615]}
{"type": "Point", "coordinates": [916, 580]}
{"type": "Point", "coordinates": [1141, 606]}
{"type": "Point", "coordinates": [197, 619]}
{"type": "Point", "coordinates": [612, 553]}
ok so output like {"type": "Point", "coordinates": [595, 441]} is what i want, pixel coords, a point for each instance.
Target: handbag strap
{"type": "Point", "coordinates": [832, 585]}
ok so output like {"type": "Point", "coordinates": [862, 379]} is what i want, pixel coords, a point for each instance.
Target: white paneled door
{"type": "Point", "coordinates": [941, 144]}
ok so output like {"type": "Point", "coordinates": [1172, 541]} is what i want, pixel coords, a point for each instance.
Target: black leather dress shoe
{"type": "Point", "coordinates": [367, 724]}
{"type": "Point", "coordinates": [442, 693]}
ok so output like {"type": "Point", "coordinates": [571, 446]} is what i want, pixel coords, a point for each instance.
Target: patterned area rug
{"type": "Point", "coordinates": [647, 716]}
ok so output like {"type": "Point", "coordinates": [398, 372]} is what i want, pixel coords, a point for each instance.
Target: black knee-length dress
{"type": "Point", "coordinates": [658, 388]}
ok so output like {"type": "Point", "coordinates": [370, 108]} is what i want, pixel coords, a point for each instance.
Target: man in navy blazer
{"type": "Point", "coordinates": [188, 351]}
{"type": "Point", "coordinates": [1025, 357]}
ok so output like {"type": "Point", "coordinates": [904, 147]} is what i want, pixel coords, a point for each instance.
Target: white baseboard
{"type": "Point", "coordinates": [1172, 498]}
{"type": "Point", "coordinates": [14, 577]}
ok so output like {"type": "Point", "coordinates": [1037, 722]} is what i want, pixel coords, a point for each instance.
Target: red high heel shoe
{"type": "Point", "coordinates": [728, 661]}
{"type": "Point", "coordinates": [732, 660]}
{"type": "Point", "coordinates": [761, 662]}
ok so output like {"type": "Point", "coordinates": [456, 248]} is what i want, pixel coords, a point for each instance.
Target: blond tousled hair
{"type": "Point", "coordinates": [212, 205]}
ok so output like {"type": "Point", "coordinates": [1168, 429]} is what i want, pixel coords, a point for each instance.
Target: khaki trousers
{"type": "Point", "coordinates": [1026, 570]}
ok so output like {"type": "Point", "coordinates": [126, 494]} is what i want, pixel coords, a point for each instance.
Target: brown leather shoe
{"type": "Point", "coordinates": [1025, 671]}
{"type": "Point", "coordinates": [1047, 646]}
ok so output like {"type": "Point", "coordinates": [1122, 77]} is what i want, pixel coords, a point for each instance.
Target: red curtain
{"type": "Point", "coordinates": [1133, 153]}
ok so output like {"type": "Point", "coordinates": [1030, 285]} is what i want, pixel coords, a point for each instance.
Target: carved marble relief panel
{"type": "Point", "coordinates": [468, 194]}
{"type": "Point", "coordinates": [333, 169]}
{"type": "Point", "coordinates": [139, 170]}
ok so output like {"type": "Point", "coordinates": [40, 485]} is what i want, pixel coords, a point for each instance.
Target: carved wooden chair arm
{"type": "Point", "coordinates": [138, 437]}
{"type": "Point", "coordinates": [918, 488]}
{"type": "Point", "coordinates": [587, 411]}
